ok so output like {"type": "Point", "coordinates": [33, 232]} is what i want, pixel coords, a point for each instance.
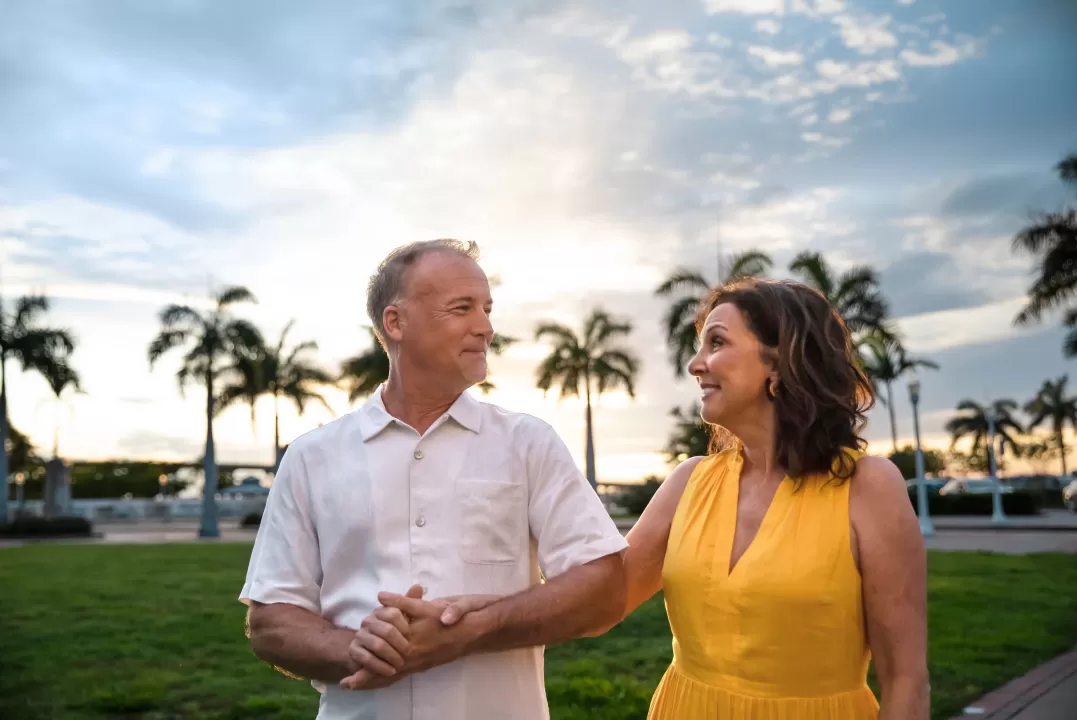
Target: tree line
{"type": "Point", "coordinates": [236, 365]}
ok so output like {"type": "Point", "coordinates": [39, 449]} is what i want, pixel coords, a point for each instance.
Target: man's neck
{"type": "Point", "coordinates": [415, 403]}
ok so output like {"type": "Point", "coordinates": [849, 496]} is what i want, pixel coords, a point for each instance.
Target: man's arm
{"type": "Point", "coordinates": [283, 584]}
{"type": "Point", "coordinates": [301, 642]}
{"type": "Point", "coordinates": [561, 609]}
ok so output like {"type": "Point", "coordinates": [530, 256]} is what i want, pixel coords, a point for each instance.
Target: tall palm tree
{"type": "Point", "coordinates": [688, 289]}
{"type": "Point", "coordinates": [1051, 404]}
{"type": "Point", "coordinates": [1052, 240]}
{"type": "Point", "coordinates": [61, 378]}
{"type": "Point", "coordinates": [212, 338]}
{"type": "Point", "coordinates": [886, 361]}
{"type": "Point", "coordinates": [971, 421]}
{"type": "Point", "coordinates": [362, 374]}
{"type": "Point", "coordinates": [590, 360]}
{"type": "Point", "coordinates": [36, 347]}
{"type": "Point", "coordinates": [261, 370]}
{"type": "Point", "coordinates": [855, 294]}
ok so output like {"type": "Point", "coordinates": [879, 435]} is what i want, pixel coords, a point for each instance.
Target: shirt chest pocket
{"type": "Point", "coordinates": [493, 522]}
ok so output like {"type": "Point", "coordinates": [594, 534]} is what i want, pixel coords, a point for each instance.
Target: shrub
{"type": "Point", "coordinates": [253, 519]}
{"type": "Point", "coordinates": [634, 498]}
{"type": "Point", "coordinates": [39, 527]}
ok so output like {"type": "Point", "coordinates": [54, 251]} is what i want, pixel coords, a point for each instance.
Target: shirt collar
{"type": "Point", "coordinates": [374, 418]}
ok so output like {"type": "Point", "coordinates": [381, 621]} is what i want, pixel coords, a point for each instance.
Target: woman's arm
{"type": "Point", "coordinates": [648, 537]}
{"type": "Point", "coordinates": [893, 569]}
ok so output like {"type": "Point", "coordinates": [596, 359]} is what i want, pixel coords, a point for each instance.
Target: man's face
{"type": "Point", "coordinates": [442, 325]}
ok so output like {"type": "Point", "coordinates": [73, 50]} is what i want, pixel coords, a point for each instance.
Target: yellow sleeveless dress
{"type": "Point", "coordinates": [782, 637]}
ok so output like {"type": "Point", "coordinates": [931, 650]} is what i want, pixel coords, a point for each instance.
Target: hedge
{"type": "Point", "coordinates": [1015, 503]}
{"type": "Point", "coordinates": [39, 527]}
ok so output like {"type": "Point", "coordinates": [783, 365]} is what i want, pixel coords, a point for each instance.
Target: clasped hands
{"type": "Point", "coordinates": [408, 634]}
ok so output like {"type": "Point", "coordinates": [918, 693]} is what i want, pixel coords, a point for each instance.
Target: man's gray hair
{"type": "Point", "coordinates": [386, 286]}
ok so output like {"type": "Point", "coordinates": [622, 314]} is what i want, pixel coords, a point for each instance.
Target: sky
{"type": "Point", "coordinates": [151, 153]}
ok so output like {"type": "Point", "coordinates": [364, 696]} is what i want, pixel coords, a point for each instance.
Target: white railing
{"type": "Point", "coordinates": [136, 509]}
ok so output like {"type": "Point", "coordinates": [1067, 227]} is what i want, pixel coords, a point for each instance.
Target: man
{"type": "Point", "coordinates": [429, 492]}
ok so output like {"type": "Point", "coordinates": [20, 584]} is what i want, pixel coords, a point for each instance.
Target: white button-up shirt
{"type": "Point", "coordinates": [479, 504]}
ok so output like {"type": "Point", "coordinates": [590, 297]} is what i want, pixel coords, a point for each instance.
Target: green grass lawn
{"type": "Point", "coordinates": [155, 632]}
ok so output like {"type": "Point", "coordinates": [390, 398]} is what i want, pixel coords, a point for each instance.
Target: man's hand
{"type": "Point", "coordinates": [408, 634]}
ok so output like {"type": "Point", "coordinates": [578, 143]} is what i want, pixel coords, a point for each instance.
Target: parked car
{"type": "Point", "coordinates": [932, 485]}
{"type": "Point", "coordinates": [1069, 496]}
{"type": "Point", "coordinates": [973, 486]}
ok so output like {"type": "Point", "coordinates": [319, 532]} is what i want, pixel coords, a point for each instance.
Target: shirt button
{"type": "Point", "coordinates": [421, 521]}
{"type": "Point", "coordinates": [418, 454]}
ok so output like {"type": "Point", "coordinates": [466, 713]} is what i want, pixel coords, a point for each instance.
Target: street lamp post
{"type": "Point", "coordinates": [927, 528]}
{"type": "Point", "coordinates": [998, 516]}
{"type": "Point", "coordinates": [20, 498]}
{"type": "Point", "coordinates": [162, 483]}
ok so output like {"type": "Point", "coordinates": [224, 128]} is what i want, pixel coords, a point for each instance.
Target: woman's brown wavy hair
{"type": "Point", "coordinates": [823, 395]}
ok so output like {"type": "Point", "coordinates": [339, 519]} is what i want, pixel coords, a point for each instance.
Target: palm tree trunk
{"type": "Point", "coordinates": [209, 527]}
{"type": "Point", "coordinates": [590, 453]}
{"type": "Point", "coordinates": [3, 439]}
{"type": "Point", "coordinates": [893, 419]}
{"type": "Point", "coordinates": [1062, 451]}
{"type": "Point", "coordinates": [276, 434]}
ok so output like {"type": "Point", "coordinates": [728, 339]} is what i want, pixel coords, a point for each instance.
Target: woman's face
{"type": "Point", "coordinates": [730, 368]}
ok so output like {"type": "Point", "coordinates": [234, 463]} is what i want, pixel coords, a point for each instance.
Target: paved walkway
{"type": "Point", "coordinates": [1047, 693]}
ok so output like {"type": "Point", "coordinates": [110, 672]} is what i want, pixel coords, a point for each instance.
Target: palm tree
{"type": "Point", "coordinates": [691, 437]}
{"type": "Point", "coordinates": [1052, 240]}
{"type": "Point", "coordinates": [261, 370]}
{"type": "Point", "coordinates": [972, 422]}
{"type": "Point", "coordinates": [1052, 404]}
{"type": "Point", "coordinates": [886, 361]}
{"type": "Point", "coordinates": [212, 337]}
{"type": "Point", "coordinates": [60, 378]}
{"type": "Point", "coordinates": [362, 374]}
{"type": "Point", "coordinates": [590, 360]}
{"type": "Point", "coordinates": [38, 348]}
{"type": "Point", "coordinates": [855, 294]}
{"type": "Point", "coordinates": [689, 288]}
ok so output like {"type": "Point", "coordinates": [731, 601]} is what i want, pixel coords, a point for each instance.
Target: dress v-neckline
{"type": "Point", "coordinates": [764, 524]}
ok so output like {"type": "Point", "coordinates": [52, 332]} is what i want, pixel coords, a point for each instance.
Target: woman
{"type": "Point", "coordinates": [788, 559]}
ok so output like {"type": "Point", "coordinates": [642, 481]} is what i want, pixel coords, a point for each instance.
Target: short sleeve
{"type": "Point", "coordinates": [285, 566]}
{"type": "Point", "coordinates": [566, 516]}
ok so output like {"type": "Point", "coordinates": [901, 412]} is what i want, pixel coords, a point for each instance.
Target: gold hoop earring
{"type": "Point", "coordinates": [772, 388]}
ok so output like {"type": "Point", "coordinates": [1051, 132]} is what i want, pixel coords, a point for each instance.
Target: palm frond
{"type": "Point", "coordinates": [557, 333]}
{"type": "Point", "coordinates": [813, 270]}
{"type": "Point", "coordinates": [28, 309]}
{"type": "Point", "coordinates": [500, 343]}
{"type": "Point", "coordinates": [1067, 168]}
{"type": "Point", "coordinates": [750, 263]}
{"type": "Point", "coordinates": [233, 295]}
{"type": "Point", "coordinates": [165, 341]}
{"type": "Point", "coordinates": [682, 281]}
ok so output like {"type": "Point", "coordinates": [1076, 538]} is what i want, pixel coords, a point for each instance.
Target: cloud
{"type": "Point", "coordinates": [925, 282]}
{"type": "Point", "coordinates": [776, 58]}
{"type": "Point", "coordinates": [837, 74]}
{"type": "Point", "coordinates": [746, 7]}
{"type": "Point", "coordinates": [943, 54]}
{"type": "Point", "coordinates": [866, 34]}
{"type": "Point", "coordinates": [839, 115]}
{"type": "Point", "coordinates": [1017, 195]}
{"type": "Point", "coordinates": [768, 26]}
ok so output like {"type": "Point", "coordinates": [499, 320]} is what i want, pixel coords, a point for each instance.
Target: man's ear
{"type": "Point", "coordinates": [394, 322]}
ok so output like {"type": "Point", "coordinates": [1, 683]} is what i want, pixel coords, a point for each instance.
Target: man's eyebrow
{"type": "Point", "coordinates": [466, 298]}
